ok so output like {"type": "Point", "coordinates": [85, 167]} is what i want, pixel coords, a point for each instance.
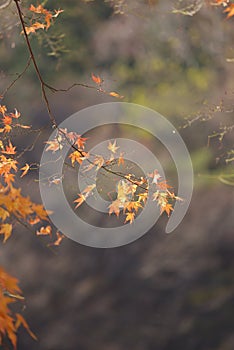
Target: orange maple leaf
{"type": "Point", "coordinates": [44, 231]}
{"type": "Point", "coordinates": [121, 159]}
{"type": "Point", "coordinates": [229, 10]}
{"type": "Point", "coordinates": [3, 214]}
{"type": "Point", "coordinates": [80, 200]}
{"type": "Point", "coordinates": [114, 207]}
{"type": "Point", "coordinates": [80, 142]}
{"type": "Point", "coordinates": [59, 239]}
{"type": "Point", "coordinates": [21, 321]}
{"type": "Point", "coordinates": [130, 217]}
{"type": "Point", "coordinates": [34, 27]}
{"type": "Point", "coordinates": [9, 149]}
{"type": "Point", "coordinates": [130, 206]}
{"type": "Point", "coordinates": [115, 94]}
{"type": "Point", "coordinates": [163, 185]}
{"type": "Point", "coordinates": [98, 80]}
{"type": "Point", "coordinates": [34, 221]}
{"type": "Point", "coordinates": [167, 207]}
{"type": "Point", "coordinates": [7, 120]}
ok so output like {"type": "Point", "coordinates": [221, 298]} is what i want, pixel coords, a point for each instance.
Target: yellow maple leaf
{"type": "Point", "coordinates": [112, 147]}
{"type": "Point", "coordinates": [229, 10]}
{"type": "Point", "coordinates": [25, 169]}
{"type": "Point", "coordinates": [77, 156]}
{"type": "Point", "coordinates": [130, 217]}
{"type": "Point", "coordinates": [6, 229]}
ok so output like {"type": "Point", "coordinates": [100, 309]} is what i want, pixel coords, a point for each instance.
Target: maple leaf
{"type": "Point", "coordinates": [130, 217]}
{"type": "Point", "coordinates": [38, 9]}
{"type": "Point", "coordinates": [44, 231]}
{"type": "Point", "coordinates": [99, 161]}
{"type": "Point", "coordinates": [125, 190]}
{"type": "Point", "coordinates": [48, 18]}
{"type": "Point", "coordinates": [142, 197]}
{"type": "Point", "coordinates": [25, 169]}
{"type": "Point", "coordinates": [121, 159]}
{"type": "Point", "coordinates": [34, 221]}
{"type": "Point", "coordinates": [4, 214]}
{"type": "Point", "coordinates": [21, 321]}
{"type": "Point", "coordinates": [167, 207]}
{"type": "Point", "coordinates": [130, 206]}
{"type": "Point", "coordinates": [7, 128]}
{"type": "Point", "coordinates": [112, 147]}
{"type": "Point", "coordinates": [80, 142]}
{"type": "Point", "coordinates": [34, 27]}
{"type": "Point", "coordinates": [7, 120]}
{"type": "Point", "coordinates": [155, 176]}
{"type": "Point", "coordinates": [219, 2]}
{"type": "Point", "coordinates": [9, 149]}
{"type": "Point", "coordinates": [9, 178]}
{"type": "Point", "coordinates": [3, 109]}
{"type": "Point", "coordinates": [115, 94]}
{"type": "Point", "coordinates": [156, 196]}
{"type": "Point", "coordinates": [97, 80]}
{"type": "Point", "coordinates": [15, 115]}
{"type": "Point", "coordinates": [115, 207]}
{"type": "Point", "coordinates": [54, 145]}
{"type": "Point", "coordinates": [229, 10]}
{"type": "Point", "coordinates": [80, 200]}
{"type": "Point", "coordinates": [40, 211]}
{"type": "Point", "coordinates": [6, 229]}
{"type": "Point", "coordinates": [123, 194]}
{"type": "Point", "coordinates": [77, 156]}
{"type": "Point", "coordinates": [59, 239]}
{"type": "Point", "coordinates": [163, 185]}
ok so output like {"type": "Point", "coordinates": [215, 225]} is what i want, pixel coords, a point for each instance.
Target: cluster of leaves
{"type": "Point", "coordinates": [131, 193]}
{"type": "Point", "coordinates": [14, 207]}
{"type": "Point", "coordinates": [9, 320]}
{"type": "Point", "coordinates": [42, 18]}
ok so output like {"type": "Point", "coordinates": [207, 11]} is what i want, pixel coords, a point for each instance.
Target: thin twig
{"type": "Point", "coordinates": [43, 85]}
{"type": "Point", "coordinates": [16, 79]}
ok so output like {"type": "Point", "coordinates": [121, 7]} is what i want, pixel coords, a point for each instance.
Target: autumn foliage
{"type": "Point", "coordinates": [9, 320]}
{"type": "Point", "coordinates": [129, 195]}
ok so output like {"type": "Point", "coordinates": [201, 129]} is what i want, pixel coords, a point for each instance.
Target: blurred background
{"type": "Point", "coordinates": [162, 292]}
